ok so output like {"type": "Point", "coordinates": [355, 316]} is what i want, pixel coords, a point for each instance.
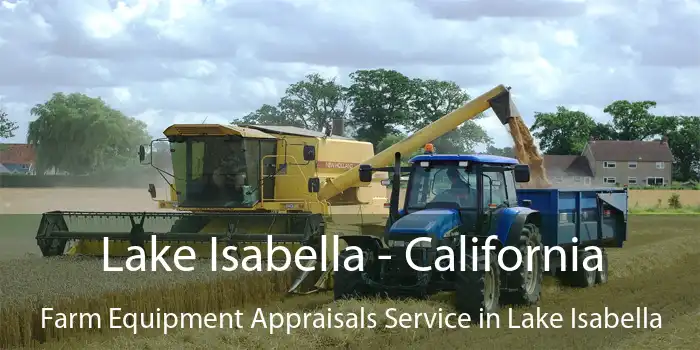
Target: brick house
{"type": "Point", "coordinates": [610, 163]}
{"type": "Point", "coordinates": [17, 158]}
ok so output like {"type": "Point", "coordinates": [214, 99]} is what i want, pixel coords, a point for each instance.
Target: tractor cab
{"type": "Point", "coordinates": [451, 194]}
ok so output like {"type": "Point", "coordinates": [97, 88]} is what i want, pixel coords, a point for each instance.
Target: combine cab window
{"type": "Point", "coordinates": [217, 171]}
{"type": "Point", "coordinates": [443, 183]}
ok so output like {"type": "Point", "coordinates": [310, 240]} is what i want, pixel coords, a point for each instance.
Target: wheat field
{"type": "Point", "coordinates": [654, 198]}
{"type": "Point", "coordinates": [657, 269]}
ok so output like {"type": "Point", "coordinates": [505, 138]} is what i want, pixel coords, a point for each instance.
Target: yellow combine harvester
{"type": "Point", "coordinates": [246, 184]}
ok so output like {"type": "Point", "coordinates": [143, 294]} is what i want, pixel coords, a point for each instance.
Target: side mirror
{"type": "Point", "coordinates": [522, 173]}
{"type": "Point", "coordinates": [152, 190]}
{"type": "Point", "coordinates": [527, 203]}
{"type": "Point", "coordinates": [314, 185]}
{"type": "Point", "coordinates": [309, 153]}
{"type": "Point", "coordinates": [142, 153]}
{"type": "Point", "coordinates": [365, 173]}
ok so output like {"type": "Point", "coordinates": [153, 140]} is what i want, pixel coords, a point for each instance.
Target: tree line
{"type": "Point", "coordinates": [78, 134]}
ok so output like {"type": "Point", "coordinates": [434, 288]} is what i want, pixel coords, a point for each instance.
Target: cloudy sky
{"type": "Point", "coordinates": [166, 61]}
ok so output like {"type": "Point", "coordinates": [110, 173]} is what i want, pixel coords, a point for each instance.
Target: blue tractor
{"type": "Point", "coordinates": [455, 205]}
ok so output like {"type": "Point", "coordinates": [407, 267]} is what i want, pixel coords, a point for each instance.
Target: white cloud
{"type": "Point", "coordinates": [183, 61]}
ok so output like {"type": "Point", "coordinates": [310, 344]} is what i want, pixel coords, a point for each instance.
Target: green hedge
{"type": "Point", "coordinates": [117, 179]}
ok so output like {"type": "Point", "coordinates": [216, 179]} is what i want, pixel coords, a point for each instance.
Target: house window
{"type": "Point", "coordinates": [655, 181]}
{"type": "Point", "coordinates": [577, 179]}
{"type": "Point", "coordinates": [632, 180]}
{"type": "Point", "coordinates": [609, 180]}
{"type": "Point", "coordinates": [660, 165]}
{"type": "Point", "coordinates": [609, 165]}
{"type": "Point", "coordinates": [558, 179]}
{"type": "Point", "coordinates": [632, 165]}
{"type": "Point", "coordinates": [587, 180]}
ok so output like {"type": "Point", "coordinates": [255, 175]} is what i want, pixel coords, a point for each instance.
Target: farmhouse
{"type": "Point", "coordinates": [610, 163]}
{"type": "Point", "coordinates": [16, 158]}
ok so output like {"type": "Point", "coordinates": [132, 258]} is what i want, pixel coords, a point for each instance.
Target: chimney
{"type": "Point", "coordinates": [664, 140]}
{"type": "Point", "coordinates": [338, 128]}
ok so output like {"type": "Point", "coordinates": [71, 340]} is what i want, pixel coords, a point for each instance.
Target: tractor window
{"type": "Point", "coordinates": [213, 172]}
{"type": "Point", "coordinates": [494, 189]}
{"type": "Point", "coordinates": [442, 183]}
{"type": "Point", "coordinates": [510, 187]}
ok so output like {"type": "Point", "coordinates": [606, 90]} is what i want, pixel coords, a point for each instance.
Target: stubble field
{"type": "Point", "coordinates": [658, 269]}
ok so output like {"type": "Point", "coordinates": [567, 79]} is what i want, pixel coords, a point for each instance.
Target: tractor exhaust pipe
{"type": "Point", "coordinates": [338, 127]}
{"type": "Point", "coordinates": [395, 188]}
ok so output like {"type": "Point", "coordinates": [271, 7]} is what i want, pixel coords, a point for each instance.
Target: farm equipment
{"type": "Point", "coordinates": [453, 205]}
{"type": "Point", "coordinates": [253, 185]}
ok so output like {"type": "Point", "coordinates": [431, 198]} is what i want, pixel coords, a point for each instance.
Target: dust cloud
{"type": "Point", "coordinates": [526, 152]}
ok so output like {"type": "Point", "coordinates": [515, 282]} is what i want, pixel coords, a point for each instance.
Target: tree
{"type": "Point", "coordinates": [684, 142]}
{"type": "Point", "coordinates": [633, 121]}
{"type": "Point", "coordinates": [7, 127]}
{"type": "Point", "coordinates": [604, 131]}
{"type": "Point", "coordinates": [270, 115]}
{"type": "Point", "coordinates": [432, 100]}
{"type": "Point", "coordinates": [564, 132]}
{"type": "Point", "coordinates": [392, 139]}
{"type": "Point", "coordinates": [503, 152]}
{"type": "Point", "coordinates": [312, 104]}
{"type": "Point", "coordinates": [380, 101]}
{"type": "Point", "coordinates": [389, 140]}
{"type": "Point", "coordinates": [82, 135]}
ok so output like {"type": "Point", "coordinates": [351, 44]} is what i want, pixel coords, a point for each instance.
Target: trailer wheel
{"type": "Point", "coordinates": [527, 280]}
{"type": "Point", "coordinates": [477, 291]}
{"type": "Point", "coordinates": [583, 278]}
{"type": "Point", "coordinates": [349, 284]}
{"type": "Point", "coordinates": [601, 277]}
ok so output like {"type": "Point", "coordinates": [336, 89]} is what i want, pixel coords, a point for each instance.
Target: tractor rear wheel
{"type": "Point", "coordinates": [349, 284]}
{"type": "Point", "coordinates": [582, 277]}
{"type": "Point", "coordinates": [477, 291]}
{"type": "Point", "coordinates": [527, 278]}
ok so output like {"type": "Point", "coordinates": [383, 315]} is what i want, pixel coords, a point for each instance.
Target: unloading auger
{"type": "Point", "coordinates": [243, 183]}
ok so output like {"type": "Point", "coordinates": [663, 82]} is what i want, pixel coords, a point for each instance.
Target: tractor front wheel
{"type": "Point", "coordinates": [348, 283]}
{"type": "Point", "coordinates": [583, 277]}
{"type": "Point", "coordinates": [477, 289]}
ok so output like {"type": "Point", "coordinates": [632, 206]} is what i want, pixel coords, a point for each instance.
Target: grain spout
{"type": "Point", "coordinates": [526, 152]}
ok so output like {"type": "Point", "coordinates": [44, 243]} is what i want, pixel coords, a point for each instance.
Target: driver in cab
{"type": "Point", "coordinates": [460, 192]}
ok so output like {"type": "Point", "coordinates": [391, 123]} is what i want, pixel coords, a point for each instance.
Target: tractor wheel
{"type": "Point", "coordinates": [527, 279]}
{"type": "Point", "coordinates": [601, 277]}
{"type": "Point", "coordinates": [477, 291]}
{"type": "Point", "coordinates": [349, 284]}
{"type": "Point", "coordinates": [583, 278]}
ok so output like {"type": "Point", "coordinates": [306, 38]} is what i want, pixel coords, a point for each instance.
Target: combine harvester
{"type": "Point", "coordinates": [243, 184]}
{"type": "Point", "coordinates": [454, 203]}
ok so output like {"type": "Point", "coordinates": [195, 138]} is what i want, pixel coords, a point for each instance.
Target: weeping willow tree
{"type": "Point", "coordinates": [81, 135]}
